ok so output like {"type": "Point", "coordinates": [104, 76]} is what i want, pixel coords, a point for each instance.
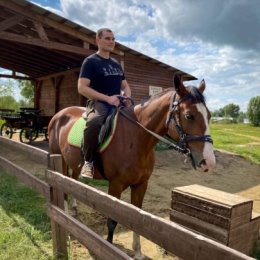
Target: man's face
{"type": "Point", "coordinates": [106, 42]}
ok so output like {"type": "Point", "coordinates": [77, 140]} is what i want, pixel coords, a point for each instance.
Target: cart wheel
{"type": "Point", "coordinates": [27, 135]}
{"type": "Point", "coordinates": [6, 130]}
{"type": "Point", "coordinates": [46, 135]}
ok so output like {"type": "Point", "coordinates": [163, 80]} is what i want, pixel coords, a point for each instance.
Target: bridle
{"type": "Point", "coordinates": [181, 145]}
{"type": "Point", "coordinates": [175, 119]}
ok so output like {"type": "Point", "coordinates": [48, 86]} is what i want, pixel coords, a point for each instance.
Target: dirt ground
{"type": "Point", "coordinates": [232, 174]}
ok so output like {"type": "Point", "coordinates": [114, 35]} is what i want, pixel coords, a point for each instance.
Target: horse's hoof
{"type": "Point", "coordinates": [74, 212]}
{"type": "Point", "coordinates": [141, 257]}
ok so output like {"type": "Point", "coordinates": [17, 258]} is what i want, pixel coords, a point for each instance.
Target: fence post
{"type": "Point", "coordinates": [59, 234]}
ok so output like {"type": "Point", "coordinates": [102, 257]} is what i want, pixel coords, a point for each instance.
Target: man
{"type": "Point", "coordinates": [101, 80]}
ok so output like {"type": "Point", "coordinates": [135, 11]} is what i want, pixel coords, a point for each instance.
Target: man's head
{"type": "Point", "coordinates": [105, 40]}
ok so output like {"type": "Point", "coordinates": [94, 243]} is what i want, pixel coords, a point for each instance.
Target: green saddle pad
{"type": "Point", "coordinates": [75, 136]}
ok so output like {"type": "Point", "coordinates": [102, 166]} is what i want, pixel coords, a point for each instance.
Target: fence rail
{"type": "Point", "coordinates": [172, 237]}
{"type": "Point", "coordinates": [25, 177]}
{"type": "Point", "coordinates": [36, 154]}
{"type": "Point", "coordinates": [86, 236]}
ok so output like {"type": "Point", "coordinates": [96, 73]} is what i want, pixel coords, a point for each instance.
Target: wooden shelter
{"type": "Point", "coordinates": [49, 50]}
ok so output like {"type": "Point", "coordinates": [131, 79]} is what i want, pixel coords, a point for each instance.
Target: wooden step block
{"type": "Point", "coordinates": [224, 217]}
{"type": "Point", "coordinates": [215, 219]}
{"type": "Point", "coordinates": [216, 207]}
{"type": "Point", "coordinates": [203, 227]}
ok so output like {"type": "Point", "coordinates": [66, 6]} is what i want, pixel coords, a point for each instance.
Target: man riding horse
{"type": "Point", "coordinates": [101, 80]}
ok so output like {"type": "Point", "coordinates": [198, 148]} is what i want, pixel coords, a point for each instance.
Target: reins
{"type": "Point", "coordinates": [180, 146]}
{"type": "Point", "coordinates": [159, 137]}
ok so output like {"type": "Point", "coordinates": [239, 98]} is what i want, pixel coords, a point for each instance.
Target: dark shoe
{"type": "Point", "coordinates": [87, 170]}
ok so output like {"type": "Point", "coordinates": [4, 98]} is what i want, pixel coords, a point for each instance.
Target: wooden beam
{"type": "Point", "coordinates": [39, 28]}
{"type": "Point", "coordinates": [37, 93]}
{"type": "Point", "coordinates": [15, 77]}
{"type": "Point", "coordinates": [43, 43]}
{"type": "Point", "coordinates": [45, 20]}
{"type": "Point", "coordinates": [59, 234]}
{"type": "Point", "coordinates": [10, 22]}
{"type": "Point", "coordinates": [96, 244]}
{"type": "Point", "coordinates": [25, 177]}
{"type": "Point", "coordinates": [36, 154]}
{"type": "Point", "coordinates": [59, 73]}
{"type": "Point", "coordinates": [56, 82]}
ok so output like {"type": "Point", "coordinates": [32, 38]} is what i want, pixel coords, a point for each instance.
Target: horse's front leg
{"type": "Point", "coordinates": [115, 189]}
{"type": "Point", "coordinates": [137, 196]}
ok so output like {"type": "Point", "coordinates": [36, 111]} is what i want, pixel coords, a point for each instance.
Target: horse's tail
{"type": "Point", "coordinates": [53, 133]}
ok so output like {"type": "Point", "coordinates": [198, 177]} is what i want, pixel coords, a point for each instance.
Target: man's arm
{"type": "Point", "coordinates": [126, 88]}
{"type": "Point", "coordinates": [85, 90]}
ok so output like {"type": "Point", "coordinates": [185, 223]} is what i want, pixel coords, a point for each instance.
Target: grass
{"type": "Point", "coordinates": [25, 227]}
{"type": "Point", "coordinates": [100, 184]}
{"type": "Point", "coordinates": [237, 138]}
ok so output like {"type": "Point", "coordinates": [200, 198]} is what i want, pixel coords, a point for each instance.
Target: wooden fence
{"type": "Point", "coordinates": [170, 236]}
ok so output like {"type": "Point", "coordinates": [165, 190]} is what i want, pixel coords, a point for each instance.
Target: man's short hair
{"type": "Point", "coordinates": [101, 30]}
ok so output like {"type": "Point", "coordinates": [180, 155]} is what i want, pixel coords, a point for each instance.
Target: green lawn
{"type": "Point", "coordinates": [25, 227]}
{"type": "Point", "coordinates": [238, 138]}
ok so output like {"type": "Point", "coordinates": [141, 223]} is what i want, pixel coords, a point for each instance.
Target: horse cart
{"type": "Point", "coordinates": [29, 123]}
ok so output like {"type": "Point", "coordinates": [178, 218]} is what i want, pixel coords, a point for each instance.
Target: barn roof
{"type": "Point", "coordinates": [37, 42]}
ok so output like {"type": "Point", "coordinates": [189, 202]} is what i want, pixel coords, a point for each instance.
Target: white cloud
{"type": "Point", "coordinates": [217, 40]}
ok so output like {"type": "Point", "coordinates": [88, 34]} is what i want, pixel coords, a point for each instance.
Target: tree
{"type": "Point", "coordinates": [8, 102]}
{"type": "Point", "coordinates": [231, 110]}
{"type": "Point", "coordinates": [241, 117]}
{"type": "Point", "coordinates": [27, 91]}
{"type": "Point", "coordinates": [7, 87]}
{"type": "Point", "coordinates": [218, 113]}
{"type": "Point", "coordinates": [253, 111]}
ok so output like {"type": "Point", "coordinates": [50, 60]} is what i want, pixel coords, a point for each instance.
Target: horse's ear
{"type": "Point", "coordinates": [178, 85]}
{"type": "Point", "coordinates": [202, 86]}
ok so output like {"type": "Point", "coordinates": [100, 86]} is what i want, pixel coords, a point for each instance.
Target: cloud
{"type": "Point", "coordinates": [232, 23]}
{"type": "Point", "coordinates": [218, 40]}
{"type": "Point", "coordinates": [124, 17]}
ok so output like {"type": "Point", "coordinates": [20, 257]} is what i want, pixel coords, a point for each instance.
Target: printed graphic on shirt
{"type": "Point", "coordinates": [112, 71]}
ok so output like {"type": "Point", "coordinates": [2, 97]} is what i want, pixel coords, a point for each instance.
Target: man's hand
{"type": "Point", "coordinates": [113, 100]}
{"type": "Point", "coordinates": [128, 102]}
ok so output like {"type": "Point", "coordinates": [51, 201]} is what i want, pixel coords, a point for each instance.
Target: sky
{"type": "Point", "coordinates": [215, 40]}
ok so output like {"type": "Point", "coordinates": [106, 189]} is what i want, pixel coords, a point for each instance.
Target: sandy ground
{"type": "Point", "coordinates": [232, 174]}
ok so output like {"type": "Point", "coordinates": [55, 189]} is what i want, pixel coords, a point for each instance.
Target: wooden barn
{"type": "Point", "coordinates": [49, 49]}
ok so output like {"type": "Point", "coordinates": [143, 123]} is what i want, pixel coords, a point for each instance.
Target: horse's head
{"type": "Point", "coordinates": [188, 123]}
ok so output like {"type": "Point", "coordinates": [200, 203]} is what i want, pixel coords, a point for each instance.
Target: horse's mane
{"type": "Point", "coordinates": [196, 96]}
{"type": "Point", "coordinates": [147, 101]}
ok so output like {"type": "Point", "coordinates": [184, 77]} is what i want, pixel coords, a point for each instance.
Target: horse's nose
{"type": "Point", "coordinates": [203, 165]}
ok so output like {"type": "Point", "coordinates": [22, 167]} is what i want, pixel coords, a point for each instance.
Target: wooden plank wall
{"type": "Point", "coordinates": [68, 93]}
{"type": "Point", "coordinates": [47, 97]}
{"type": "Point", "coordinates": [139, 73]}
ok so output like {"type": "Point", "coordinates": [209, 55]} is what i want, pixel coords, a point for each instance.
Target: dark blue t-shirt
{"type": "Point", "coordinates": [105, 75]}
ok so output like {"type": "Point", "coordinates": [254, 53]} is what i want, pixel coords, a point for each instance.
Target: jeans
{"type": "Point", "coordinates": [97, 112]}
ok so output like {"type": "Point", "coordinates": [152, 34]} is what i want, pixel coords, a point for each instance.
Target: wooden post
{"type": "Point", "coordinates": [59, 234]}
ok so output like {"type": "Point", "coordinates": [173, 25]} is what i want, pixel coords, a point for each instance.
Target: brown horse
{"type": "Point", "coordinates": [129, 160]}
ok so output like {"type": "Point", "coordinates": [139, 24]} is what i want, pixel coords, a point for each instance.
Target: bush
{"type": "Point", "coordinates": [253, 111]}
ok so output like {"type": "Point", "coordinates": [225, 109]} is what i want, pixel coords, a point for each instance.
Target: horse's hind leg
{"type": "Point", "coordinates": [111, 225]}
{"type": "Point", "coordinates": [137, 196]}
{"type": "Point", "coordinates": [115, 190]}
{"type": "Point", "coordinates": [74, 175]}
{"type": "Point", "coordinates": [65, 172]}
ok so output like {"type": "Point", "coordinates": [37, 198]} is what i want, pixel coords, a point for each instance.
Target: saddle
{"type": "Point", "coordinates": [106, 134]}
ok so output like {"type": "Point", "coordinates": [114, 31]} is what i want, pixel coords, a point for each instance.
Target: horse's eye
{"type": "Point", "coordinates": [189, 116]}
